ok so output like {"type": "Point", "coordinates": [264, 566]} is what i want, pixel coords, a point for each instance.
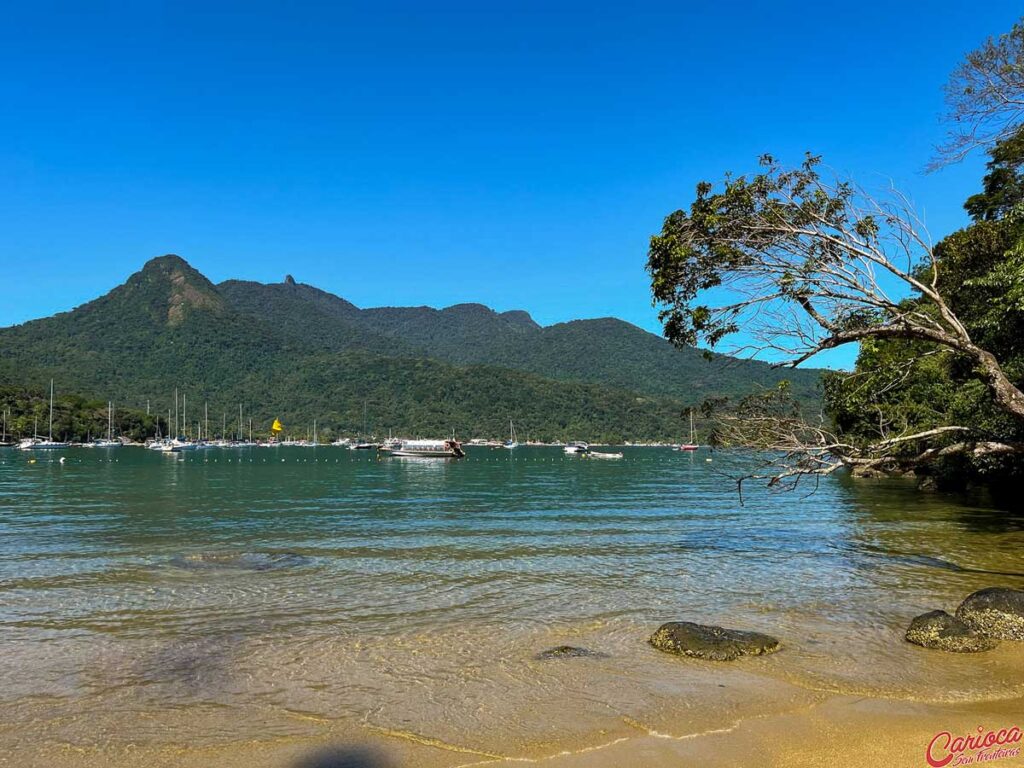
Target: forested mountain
{"type": "Point", "coordinates": [295, 352]}
{"type": "Point", "coordinates": [604, 351]}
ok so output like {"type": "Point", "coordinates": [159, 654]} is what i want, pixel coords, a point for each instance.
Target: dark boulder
{"type": "Point", "coordinates": [709, 642]}
{"type": "Point", "coordinates": [941, 632]}
{"type": "Point", "coordinates": [994, 612]}
{"type": "Point", "coordinates": [569, 652]}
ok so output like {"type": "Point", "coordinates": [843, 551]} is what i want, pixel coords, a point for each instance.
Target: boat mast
{"type": "Point", "coordinates": [177, 432]}
{"type": "Point", "coordinates": [206, 419]}
{"type": "Point", "coordinates": [241, 434]}
{"type": "Point", "coordinates": [110, 420]}
{"type": "Point", "coordinates": [51, 410]}
{"type": "Point", "coordinates": [184, 418]}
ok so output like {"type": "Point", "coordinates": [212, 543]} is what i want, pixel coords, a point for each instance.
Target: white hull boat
{"type": "Point", "coordinates": [426, 449]}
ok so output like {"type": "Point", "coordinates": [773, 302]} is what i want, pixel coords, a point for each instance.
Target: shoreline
{"type": "Point", "coordinates": [836, 730]}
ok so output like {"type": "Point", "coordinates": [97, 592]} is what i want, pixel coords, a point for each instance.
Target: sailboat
{"type": "Point", "coordinates": [36, 443]}
{"type": "Point", "coordinates": [181, 442]}
{"type": "Point", "coordinates": [4, 442]}
{"type": "Point", "coordinates": [363, 444]}
{"type": "Point", "coordinates": [513, 440]}
{"type": "Point", "coordinates": [692, 445]}
{"type": "Point", "coordinates": [110, 442]}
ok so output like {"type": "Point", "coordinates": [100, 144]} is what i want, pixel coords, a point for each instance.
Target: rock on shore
{"type": "Point", "coordinates": [994, 612]}
{"type": "Point", "coordinates": [703, 641]}
{"type": "Point", "coordinates": [941, 632]}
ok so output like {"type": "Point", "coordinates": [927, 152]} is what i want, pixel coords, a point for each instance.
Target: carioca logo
{"type": "Point", "coordinates": [944, 747]}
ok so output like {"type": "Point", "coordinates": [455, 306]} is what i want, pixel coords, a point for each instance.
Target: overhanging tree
{"type": "Point", "coordinates": [803, 263]}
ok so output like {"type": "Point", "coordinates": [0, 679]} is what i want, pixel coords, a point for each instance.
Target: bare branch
{"type": "Point", "coordinates": [984, 97]}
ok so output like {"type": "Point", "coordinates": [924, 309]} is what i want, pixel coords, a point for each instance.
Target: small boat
{"type": "Point", "coordinates": [513, 440]}
{"type": "Point", "coordinates": [576, 447]}
{"type": "Point", "coordinates": [169, 445]}
{"type": "Point", "coordinates": [599, 455]}
{"type": "Point", "coordinates": [364, 445]}
{"type": "Point", "coordinates": [692, 445]}
{"type": "Point", "coordinates": [37, 443]}
{"type": "Point", "coordinates": [428, 449]}
{"type": "Point", "coordinates": [110, 442]}
{"type": "Point", "coordinates": [4, 442]}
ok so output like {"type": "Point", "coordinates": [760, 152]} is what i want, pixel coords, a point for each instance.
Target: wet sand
{"type": "Point", "coordinates": [835, 731]}
{"type": "Point", "coordinates": [454, 699]}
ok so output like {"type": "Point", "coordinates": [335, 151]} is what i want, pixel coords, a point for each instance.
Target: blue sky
{"type": "Point", "coordinates": [517, 155]}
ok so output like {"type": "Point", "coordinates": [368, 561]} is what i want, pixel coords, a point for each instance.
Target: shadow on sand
{"type": "Point", "coordinates": [344, 757]}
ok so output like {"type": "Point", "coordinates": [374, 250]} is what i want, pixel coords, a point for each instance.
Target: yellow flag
{"type": "Point", "coordinates": [276, 426]}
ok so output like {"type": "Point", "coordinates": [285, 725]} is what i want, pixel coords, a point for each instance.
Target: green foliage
{"type": "Point", "coordinates": [75, 418]}
{"type": "Point", "coordinates": [1003, 185]}
{"type": "Point", "coordinates": [771, 239]}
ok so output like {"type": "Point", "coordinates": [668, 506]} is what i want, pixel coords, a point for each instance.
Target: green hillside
{"type": "Point", "coordinates": [168, 327]}
{"type": "Point", "coordinates": [604, 351]}
{"type": "Point", "coordinates": [297, 353]}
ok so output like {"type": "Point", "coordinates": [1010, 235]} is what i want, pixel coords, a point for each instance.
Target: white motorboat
{"type": "Point", "coordinates": [172, 445]}
{"type": "Point", "coordinates": [428, 449]}
{"type": "Point", "coordinates": [576, 447]}
{"type": "Point", "coordinates": [599, 455]}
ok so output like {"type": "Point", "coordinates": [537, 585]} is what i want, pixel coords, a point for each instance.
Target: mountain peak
{"type": "Point", "coordinates": [165, 264]}
{"type": "Point", "coordinates": [175, 287]}
{"type": "Point", "coordinates": [520, 317]}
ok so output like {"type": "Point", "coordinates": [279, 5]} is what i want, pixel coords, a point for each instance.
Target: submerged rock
{"type": "Point", "coordinates": [243, 561]}
{"type": "Point", "coordinates": [994, 612]}
{"type": "Point", "coordinates": [569, 652]}
{"type": "Point", "coordinates": [941, 632]}
{"type": "Point", "coordinates": [710, 642]}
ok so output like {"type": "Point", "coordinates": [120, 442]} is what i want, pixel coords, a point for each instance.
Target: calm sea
{"type": "Point", "coordinates": [224, 595]}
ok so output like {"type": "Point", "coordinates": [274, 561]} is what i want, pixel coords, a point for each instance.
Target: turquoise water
{"type": "Point", "coordinates": [260, 591]}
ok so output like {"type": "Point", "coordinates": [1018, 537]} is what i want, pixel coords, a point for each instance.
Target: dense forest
{"type": "Point", "coordinates": [296, 353]}
{"type": "Point", "coordinates": [26, 412]}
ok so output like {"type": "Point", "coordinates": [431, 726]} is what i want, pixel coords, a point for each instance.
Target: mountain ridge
{"type": "Point", "coordinates": [296, 351]}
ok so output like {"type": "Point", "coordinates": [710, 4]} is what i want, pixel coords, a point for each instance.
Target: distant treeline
{"type": "Point", "coordinates": [75, 418]}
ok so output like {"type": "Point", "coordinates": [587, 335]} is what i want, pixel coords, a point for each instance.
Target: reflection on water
{"type": "Point", "coordinates": [281, 593]}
